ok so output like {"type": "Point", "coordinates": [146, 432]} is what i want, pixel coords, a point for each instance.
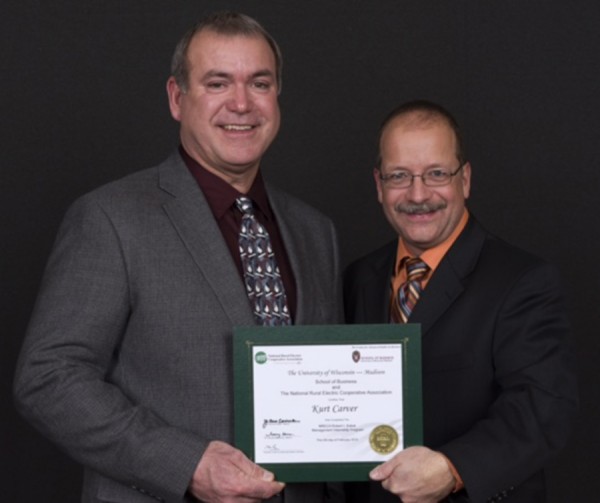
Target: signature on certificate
{"type": "Point", "coordinates": [280, 421]}
{"type": "Point", "coordinates": [279, 435]}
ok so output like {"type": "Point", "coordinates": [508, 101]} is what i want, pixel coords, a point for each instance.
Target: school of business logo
{"type": "Point", "coordinates": [260, 358]}
{"type": "Point", "coordinates": [356, 356]}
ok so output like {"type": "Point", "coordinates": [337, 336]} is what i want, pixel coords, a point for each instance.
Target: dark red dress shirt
{"type": "Point", "coordinates": [221, 199]}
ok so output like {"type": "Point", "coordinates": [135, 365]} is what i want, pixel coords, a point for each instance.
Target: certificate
{"type": "Point", "coordinates": [325, 403]}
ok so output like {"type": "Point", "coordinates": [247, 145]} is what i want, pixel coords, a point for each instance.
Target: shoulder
{"type": "Point", "coordinates": [289, 206]}
{"type": "Point", "coordinates": [135, 201]}
{"type": "Point", "coordinates": [368, 265]}
{"type": "Point", "coordinates": [496, 260]}
{"type": "Point", "coordinates": [477, 241]}
{"type": "Point", "coordinates": [136, 190]}
{"type": "Point", "coordinates": [509, 256]}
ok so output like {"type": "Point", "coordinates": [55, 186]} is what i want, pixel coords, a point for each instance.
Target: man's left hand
{"type": "Point", "coordinates": [416, 475]}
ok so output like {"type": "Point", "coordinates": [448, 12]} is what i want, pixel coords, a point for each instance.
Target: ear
{"type": "Point", "coordinates": [378, 184]}
{"type": "Point", "coordinates": [174, 93]}
{"type": "Point", "coordinates": [466, 180]}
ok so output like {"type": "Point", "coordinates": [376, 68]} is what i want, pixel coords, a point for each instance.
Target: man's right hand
{"type": "Point", "coordinates": [225, 475]}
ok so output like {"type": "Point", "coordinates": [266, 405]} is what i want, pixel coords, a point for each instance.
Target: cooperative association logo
{"type": "Point", "coordinates": [260, 357]}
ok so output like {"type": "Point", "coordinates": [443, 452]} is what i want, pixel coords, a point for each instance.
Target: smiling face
{"type": "Point", "coordinates": [229, 114]}
{"type": "Point", "coordinates": [423, 216]}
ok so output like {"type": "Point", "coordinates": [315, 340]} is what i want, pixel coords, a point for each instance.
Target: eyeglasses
{"type": "Point", "coordinates": [434, 177]}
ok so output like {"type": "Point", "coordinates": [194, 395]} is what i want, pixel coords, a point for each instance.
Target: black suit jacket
{"type": "Point", "coordinates": [499, 391]}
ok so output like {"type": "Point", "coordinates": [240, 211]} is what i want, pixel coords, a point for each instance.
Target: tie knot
{"type": "Point", "coordinates": [244, 204]}
{"type": "Point", "coordinates": [416, 269]}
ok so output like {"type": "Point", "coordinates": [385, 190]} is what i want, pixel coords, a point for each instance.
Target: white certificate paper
{"type": "Point", "coordinates": [327, 403]}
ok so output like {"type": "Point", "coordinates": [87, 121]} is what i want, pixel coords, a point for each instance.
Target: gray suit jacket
{"type": "Point", "coordinates": [127, 360]}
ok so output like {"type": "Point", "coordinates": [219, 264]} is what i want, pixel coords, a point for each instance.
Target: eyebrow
{"type": "Point", "coordinates": [225, 75]}
{"type": "Point", "coordinates": [436, 165]}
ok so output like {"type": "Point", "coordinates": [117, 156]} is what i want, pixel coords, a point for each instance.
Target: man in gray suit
{"type": "Point", "coordinates": [127, 360]}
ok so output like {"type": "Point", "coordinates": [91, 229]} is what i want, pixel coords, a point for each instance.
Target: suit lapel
{"type": "Point", "coordinates": [367, 291]}
{"type": "Point", "coordinates": [298, 253]}
{"type": "Point", "coordinates": [377, 290]}
{"type": "Point", "coordinates": [194, 222]}
{"type": "Point", "coordinates": [446, 284]}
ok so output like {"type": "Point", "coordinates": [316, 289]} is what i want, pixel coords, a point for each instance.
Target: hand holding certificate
{"type": "Point", "coordinates": [326, 402]}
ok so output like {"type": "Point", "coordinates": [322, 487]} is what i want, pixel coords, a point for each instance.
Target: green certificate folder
{"type": "Point", "coordinates": [326, 403]}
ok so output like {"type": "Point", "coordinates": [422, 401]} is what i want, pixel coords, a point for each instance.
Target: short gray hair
{"type": "Point", "coordinates": [223, 23]}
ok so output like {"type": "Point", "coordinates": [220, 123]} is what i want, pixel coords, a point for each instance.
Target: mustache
{"type": "Point", "coordinates": [419, 209]}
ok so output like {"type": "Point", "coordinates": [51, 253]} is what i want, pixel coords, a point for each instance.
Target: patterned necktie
{"type": "Point", "coordinates": [408, 294]}
{"type": "Point", "coordinates": [261, 274]}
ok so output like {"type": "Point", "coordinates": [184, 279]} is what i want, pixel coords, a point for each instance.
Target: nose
{"type": "Point", "coordinates": [418, 191]}
{"type": "Point", "coordinates": [241, 100]}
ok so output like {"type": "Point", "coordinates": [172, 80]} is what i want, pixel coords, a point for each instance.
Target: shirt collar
{"type": "Point", "coordinates": [220, 195]}
{"type": "Point", "coordinates": [433, 256]}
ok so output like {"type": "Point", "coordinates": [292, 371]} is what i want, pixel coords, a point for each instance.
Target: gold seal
{"type": "Point", "coordinates": [383, 439]}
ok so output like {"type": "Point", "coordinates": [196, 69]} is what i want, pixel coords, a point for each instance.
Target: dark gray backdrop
{"type": "Point", "coordinates": [83, 102]}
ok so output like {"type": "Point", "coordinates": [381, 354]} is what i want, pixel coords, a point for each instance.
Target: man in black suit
{"type": "Point", "coordinates": [499, 391]}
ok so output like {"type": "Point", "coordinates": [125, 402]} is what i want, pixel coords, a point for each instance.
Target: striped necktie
{"type": "Point", "coordinates": [408, 294]}
{"type": "Point", "coordinates": [264, 285]}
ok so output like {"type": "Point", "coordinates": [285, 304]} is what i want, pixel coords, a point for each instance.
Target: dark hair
{"type": "Point", "coordinates": [420, 112]}
{"type": "Point", "coordinates": [223, 23]}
